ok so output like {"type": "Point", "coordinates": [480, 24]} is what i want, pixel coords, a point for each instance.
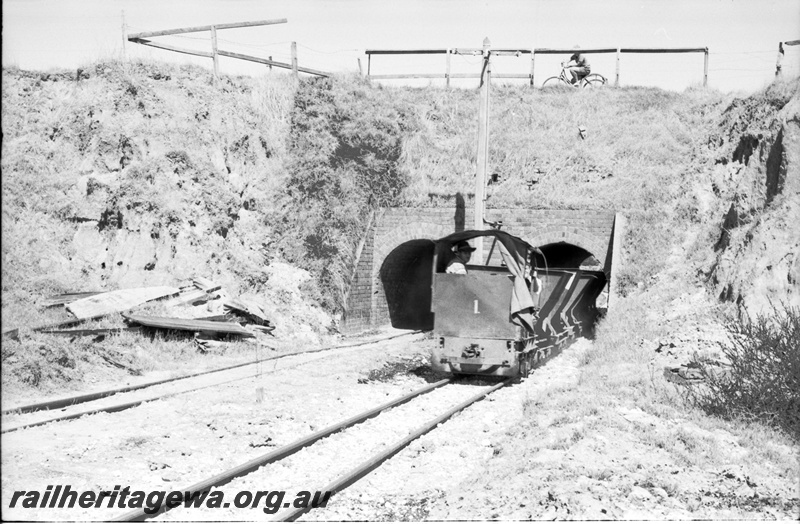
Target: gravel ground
{"type": "Point", "coordinates": [541, 449]}
{"type": "Point", "coordinates": [174, 442]}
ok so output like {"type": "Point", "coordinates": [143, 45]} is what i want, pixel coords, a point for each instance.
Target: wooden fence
{"type": "Point", "coordinates": [215, 53]}
{"type": "Point", "coordinates": [145, 39]}
{"type": "Point", "coordinates": [447, 75]}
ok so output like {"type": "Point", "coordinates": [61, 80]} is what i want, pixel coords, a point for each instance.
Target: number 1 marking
{"type": "Point", "coordinates": [476, 308]}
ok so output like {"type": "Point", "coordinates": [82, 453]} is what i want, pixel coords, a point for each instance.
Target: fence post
{"type": "Point", "coordinates": [294, 59]}
{"type": "Point", "coordinates": [616, 80]}
{"type": "Point", "coordinates": [705, 68]}
{"type": "Point", "coordinates": [780, 59]}
{"type": "Point", "coordinates": [214, 57]}
{"type": "Point", "coordinates": [447, 74]}
{"type": "Point", "coordinates": [360, 71]}
{"type": "Point", "coordinates": [533, 60]}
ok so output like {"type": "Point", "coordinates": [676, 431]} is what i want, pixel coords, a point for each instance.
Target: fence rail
{"type": "Point", "coordinates": [447, 75]}
{"type": "Point", "coordinates": [215, 53]}
{"type": "Point", "coordinates": [145, 38]}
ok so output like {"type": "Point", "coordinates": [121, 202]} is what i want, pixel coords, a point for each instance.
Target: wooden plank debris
{"type": "Point", "coordinates": [132, 371]}
{"type": "Point", "coordinates": [88, 332]}
{"type": "Point", "coordinates": [249, 308]}
{"type": "Point", "coordinates": [185, 324]}
{"type": "Point", "coordinates": [206, 285]}
{"type": "Point", "coordinates": [263, 329]}
{"type": "Point", "coordinates": [216, 318]}
{"type": "Point", "coordinates": [191, 296]}
{"type": "Point", "coordinates": [66, 298]}
{"type": "Point", "coordinates": [117, 301]}
{"type": "Point", "coordinates": [14, 332]}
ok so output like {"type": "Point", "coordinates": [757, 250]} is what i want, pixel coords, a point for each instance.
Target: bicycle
{"type": "Point", "coordinates": [590, 80]}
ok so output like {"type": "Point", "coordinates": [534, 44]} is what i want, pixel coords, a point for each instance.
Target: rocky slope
{"type": "Point", "coordinates": [757, 253]}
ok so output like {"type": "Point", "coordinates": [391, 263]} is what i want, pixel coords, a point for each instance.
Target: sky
{"type": "Point", "coordinates": [332, 35]}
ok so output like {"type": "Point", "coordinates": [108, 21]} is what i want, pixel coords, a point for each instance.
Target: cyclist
{"type": "Point", "coordinates": [578, 66]}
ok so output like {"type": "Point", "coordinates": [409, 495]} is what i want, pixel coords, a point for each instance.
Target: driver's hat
{"type": "Point", "coordinates": [463, 245]}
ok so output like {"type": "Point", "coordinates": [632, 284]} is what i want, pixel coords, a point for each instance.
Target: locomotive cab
{"type": "Point", "coordinates": [506, 316]}
{"type": "Point", "coordinates": [471, 322]}
{"type": "Point", "coordinates": [473, 325]}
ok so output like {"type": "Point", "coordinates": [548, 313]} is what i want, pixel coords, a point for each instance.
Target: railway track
{"type": "Point", "coordinates": [238, 372]}
{"type": "Point", "coordinates": [242, 474]}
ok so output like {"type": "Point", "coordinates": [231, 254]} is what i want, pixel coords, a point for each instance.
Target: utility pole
{"type": "Point", "coordinates": [483, 147]}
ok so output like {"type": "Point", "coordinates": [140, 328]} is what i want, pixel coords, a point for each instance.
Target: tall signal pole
{"type": "Point", "coordinates": [483, 147]}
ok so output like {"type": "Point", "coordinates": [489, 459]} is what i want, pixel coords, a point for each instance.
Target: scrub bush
{"type": "Point", "coordinates": [763, 381]}
{"type": "Point", "coordinates": [345, 146]}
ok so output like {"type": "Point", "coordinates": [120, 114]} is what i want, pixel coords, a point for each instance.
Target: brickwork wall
{"type": "Point", "coordinates": [590, 230]}
{"type": "Point", "coordinates": [397, 226]}
{"type": "Point", "coordinates": [367, 305]}
{"type": "Point", "coordinates": [359, 300]}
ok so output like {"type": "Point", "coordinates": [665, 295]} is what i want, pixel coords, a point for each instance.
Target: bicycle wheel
{"type": "Point", "coordinates": [555, 81]}
{"type": "Point", "coordinates": [593, 80]}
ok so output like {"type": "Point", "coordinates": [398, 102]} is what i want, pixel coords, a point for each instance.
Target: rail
{"type": "Point", "coordinates": [88, 397]}
{"type": "Point", "coordinates": [283, 452]}
{"type": "Point", "coordinates": [127, 405]}
{"type": "Point", "coordinates": [379, 458]}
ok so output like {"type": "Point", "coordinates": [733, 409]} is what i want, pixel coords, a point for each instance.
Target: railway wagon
{"type": "Point", "coordinates": [506, 317]}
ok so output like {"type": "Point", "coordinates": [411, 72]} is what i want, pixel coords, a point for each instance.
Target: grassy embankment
{"type": "Point", "coordinates": [173, 176]}
{"type": "Point", "coordinates": [135, 174]}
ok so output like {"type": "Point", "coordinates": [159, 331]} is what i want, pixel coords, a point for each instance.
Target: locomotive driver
{"type": "Point", "coordinates": [463, 252]}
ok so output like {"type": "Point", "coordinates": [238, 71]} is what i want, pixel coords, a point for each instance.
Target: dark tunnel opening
{"type": "Point", "coordinates": [406, 278]}
{"type": "Point", "coordinates": [564, 255]}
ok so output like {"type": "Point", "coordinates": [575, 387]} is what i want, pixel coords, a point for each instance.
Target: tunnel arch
{"type": "Point", "coordinates": [566, 249]}
{"type": "Point", "coordinates": [405, 277]}
{"type": "Point", "coordinates": [414, 232]}
{"type": "Point", "coordinates": [563, 254]}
